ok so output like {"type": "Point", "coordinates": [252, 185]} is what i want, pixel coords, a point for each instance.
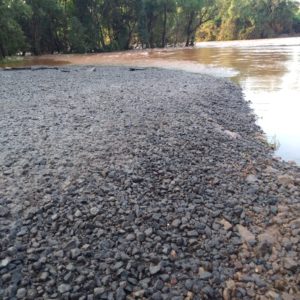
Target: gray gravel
{"type": "Point", "coordinates": [146, 184]}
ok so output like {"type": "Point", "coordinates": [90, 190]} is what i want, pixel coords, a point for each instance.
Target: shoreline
{"type": "Point", "coordinates": [170, 47]}
{"type": "Point", "coordinates": [150, 183]}
{"type": "Point", "coordinates": [61, 59]}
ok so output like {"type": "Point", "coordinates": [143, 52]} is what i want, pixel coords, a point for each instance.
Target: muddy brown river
{"type": "Point", "coordinates": [267, 70]}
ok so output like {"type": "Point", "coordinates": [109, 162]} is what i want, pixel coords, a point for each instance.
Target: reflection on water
{"type": "Point", "coordinates": [267, 70]}
{"type": "Point", "coordinates": [35, 61]}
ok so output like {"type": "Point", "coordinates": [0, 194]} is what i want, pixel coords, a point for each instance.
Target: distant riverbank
{"type": "Point", "coordinates": [74, 58]}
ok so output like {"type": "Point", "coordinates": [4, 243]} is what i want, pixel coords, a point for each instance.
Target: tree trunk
{"type": "Point", "coordinates": [36, 43]}
{"type": "Point", "coordinates": [102, 37]}
{"type": "Point", "coordinates": [187, 41]}
{"type": "Point", "coordinates": [150, 32]}
{"type": "Point", "coordinates": [163, 40]}
{"type": "Point", "coordinates": [57, 43]}
{"type": "Point", "coordinates": [128, 41]}
{"type": "Point", "coordinates": [2, 52]}
{"type": "Point", "coordinates": [192, 43]}
{"type": "Point", "coordinates": [189, 29]}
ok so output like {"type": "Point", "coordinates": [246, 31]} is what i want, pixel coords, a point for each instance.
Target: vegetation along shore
{"type": "Point", "coordinates": [79, 26]}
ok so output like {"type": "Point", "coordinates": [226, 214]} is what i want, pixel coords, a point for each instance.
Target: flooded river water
{"type": "Point", "coordinates": [267, 70]}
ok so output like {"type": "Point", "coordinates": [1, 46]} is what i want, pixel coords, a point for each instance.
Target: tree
{"type": "Point", "coordinates": [195, 14]}
{"type": "Point", "coordinates": [152, 15]}
{"type": "Point", "coordinates": [246, 19]}
{"type": "Point", "coordinates": [12, 38]}
{"type": "Point", "coordinates": [296, 22]}
{"type": "Point", "coordinates": [77, 37]}
{"type": "Point", "coordinates": [46, 22]}
{"type": "Point", "coordinates": [48, 26]}
{"type": "Point", "coordinates": [168, 7]}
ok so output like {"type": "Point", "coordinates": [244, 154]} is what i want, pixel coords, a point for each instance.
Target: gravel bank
{"type": "Point", "coordinates": [153, 184]}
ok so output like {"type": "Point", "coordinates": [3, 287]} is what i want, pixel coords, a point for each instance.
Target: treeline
{"type": "Point", "coordinates": [78, 26]}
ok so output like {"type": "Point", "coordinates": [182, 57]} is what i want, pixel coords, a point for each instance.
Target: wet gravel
{"type": "Point", "coordinates": [145, 184]}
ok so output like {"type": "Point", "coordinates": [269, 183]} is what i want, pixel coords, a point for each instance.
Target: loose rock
{"type": "Point", "coordinates": [246, 235]}
{"type": "Point", "coordinates": [114, 185]}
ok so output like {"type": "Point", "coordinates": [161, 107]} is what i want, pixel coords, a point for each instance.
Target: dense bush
{"type": "Point", "coordinates": [48, 26]}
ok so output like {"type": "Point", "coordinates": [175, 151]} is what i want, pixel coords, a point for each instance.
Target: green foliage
{"type": "Point", "coordinates": [44, 26]}
{"type": "Point", "coordinates": [79, 26]}
{"type": "Point", "coordinates": [77, 38]}
{"type": "Point", "coordinates": [296, 22]}
{"type": "Point", "coordinates": [12, 38]}
{"type": "Point", "coordinates": [195, 13]}
{"type": "Point", "coordinates": [245, 19]}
